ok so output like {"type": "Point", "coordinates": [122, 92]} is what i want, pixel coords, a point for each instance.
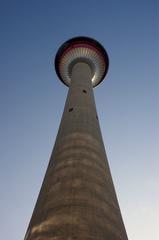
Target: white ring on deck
{"type": "Point", "coordinates": [82, 53]}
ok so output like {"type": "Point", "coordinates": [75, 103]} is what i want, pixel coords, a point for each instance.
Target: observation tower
{"type": "Point", "coordinates": [77, 200]}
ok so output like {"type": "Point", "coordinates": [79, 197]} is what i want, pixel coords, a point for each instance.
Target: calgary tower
{"type": "Point", "coordinates": [77, 200]}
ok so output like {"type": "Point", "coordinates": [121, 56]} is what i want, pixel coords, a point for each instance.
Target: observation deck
{"type": "Point", "coordinates": [81, 49]}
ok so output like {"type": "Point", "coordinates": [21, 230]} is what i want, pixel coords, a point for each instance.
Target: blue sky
{"type": "Point", "coordinates": [32, 100]}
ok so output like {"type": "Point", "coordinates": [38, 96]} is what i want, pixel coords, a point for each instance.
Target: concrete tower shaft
{"type": "Point", "coordinates": [77, 199]}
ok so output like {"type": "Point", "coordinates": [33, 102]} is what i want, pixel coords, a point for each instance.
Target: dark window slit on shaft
{"type": "Point", "coordinates": [70, 109]}
{"type": "Point", "coordinates": [84, 91]}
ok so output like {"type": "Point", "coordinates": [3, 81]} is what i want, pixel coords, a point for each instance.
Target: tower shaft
{"type": "Point", "coordinates": [77, 199]}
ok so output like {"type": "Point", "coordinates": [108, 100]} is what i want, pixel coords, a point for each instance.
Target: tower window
{"type": "Point", "coordinates": [70, 109]}
{"type": "Point", "coordinates": [84, 91]}
{"type": "Point", "coordinates": [96, 117]}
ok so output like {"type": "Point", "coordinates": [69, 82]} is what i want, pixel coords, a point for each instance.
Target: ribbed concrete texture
{"type": "Point", "coordinates": [77, 200]}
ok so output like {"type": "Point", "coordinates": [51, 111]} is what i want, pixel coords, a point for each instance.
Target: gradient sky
{"type": "Point", "coordinates": [32, 100]}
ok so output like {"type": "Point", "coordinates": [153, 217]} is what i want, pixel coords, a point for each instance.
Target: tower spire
{"type": "Point", "coordinates": [77, 198]}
